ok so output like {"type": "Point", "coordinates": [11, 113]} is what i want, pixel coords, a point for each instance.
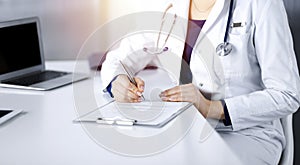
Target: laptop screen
{"type": "Point", "coordinates": [19, 47]}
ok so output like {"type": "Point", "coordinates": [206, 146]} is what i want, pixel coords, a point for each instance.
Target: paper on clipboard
{"type": "Point", "coordinates": [152, 114]}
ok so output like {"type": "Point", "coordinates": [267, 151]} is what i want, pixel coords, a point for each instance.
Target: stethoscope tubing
{"type": "Point", "coordinates": [228, 21]}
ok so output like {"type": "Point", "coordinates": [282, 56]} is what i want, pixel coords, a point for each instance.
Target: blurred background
{"type": "Point", "coordinates": [66, 24]}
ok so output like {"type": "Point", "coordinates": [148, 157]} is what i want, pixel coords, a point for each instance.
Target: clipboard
{"type": "Point", "coordinates": [113, 114]}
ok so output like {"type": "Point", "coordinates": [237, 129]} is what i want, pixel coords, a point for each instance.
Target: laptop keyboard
{"type": "Point", "coordinates": [35, 78]}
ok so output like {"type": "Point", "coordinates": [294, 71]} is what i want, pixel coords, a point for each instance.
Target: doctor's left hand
{"type": "Point", "coordinates": [190, 93]}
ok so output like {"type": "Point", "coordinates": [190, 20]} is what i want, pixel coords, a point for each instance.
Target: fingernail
{"type": "Point", "coordinates": [142, 87]}
{"type": "Point", "coordinates": [172, 98]}
{"type": "Point", "coordinates": [161, 95]}
{"type": "Point", "coordinates": [164, 98]}
{"type": "Point", "coordinates": [140, 99]}
{"type": "Point", "coordinates": [139, 93]}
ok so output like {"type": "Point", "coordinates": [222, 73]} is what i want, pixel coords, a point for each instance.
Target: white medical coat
{"type": "Point", "coordinates": [258, 80]}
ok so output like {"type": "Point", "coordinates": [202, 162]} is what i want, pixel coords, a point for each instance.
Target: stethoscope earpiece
{"type": "Point", "coordinates": [156, 50]}
{"type": "Point", "coordinates": [145, 49]}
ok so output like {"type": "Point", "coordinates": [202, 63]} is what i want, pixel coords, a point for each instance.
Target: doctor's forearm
{"type": "Point", "coordinates": [190, 93]}
{"type": "Point", "coordinates": [261, 106]}
{"type": "Point", "coordinates": [211, 109]}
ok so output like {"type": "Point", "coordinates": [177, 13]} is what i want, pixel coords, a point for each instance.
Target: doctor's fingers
{"type": "Point", "coordinates": [130, 90]}
{"type": "Point", "coordinates": [171, 91]}
{"type": "Point", "coordinates": [140, 84]}
{"type": "Point", "coordinates": [123, 95]}
{"type": "Point", "coordinates": [124, 84]}
{"type": "Point", "coordinates": [180, 97]}
{"type": "Point", "coordinates": [186, 88]}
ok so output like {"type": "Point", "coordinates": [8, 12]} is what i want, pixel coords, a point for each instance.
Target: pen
{"type": "Point", "coordinates": [130, 76]}
{"type": "Point", "coordinates": [112, 121]}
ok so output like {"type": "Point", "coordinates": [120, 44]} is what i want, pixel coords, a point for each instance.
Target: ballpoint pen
{"type": "Point", "coordinates": [113, 121]}
{"type": "Point", "coordinates": [130, 76]}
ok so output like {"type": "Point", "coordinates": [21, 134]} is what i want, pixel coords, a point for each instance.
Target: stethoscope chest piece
{"type": "Point", "coordinates": [224, 49]}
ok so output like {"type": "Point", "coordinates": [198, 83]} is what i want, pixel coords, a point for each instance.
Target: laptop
{"type": "Point", "coordinates": [22, 62]}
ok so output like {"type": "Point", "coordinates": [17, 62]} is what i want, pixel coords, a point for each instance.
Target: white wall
{"type": "Point", "coordinates": [66, 24]}
{"type": "Point", "coordinates": [122, 7]}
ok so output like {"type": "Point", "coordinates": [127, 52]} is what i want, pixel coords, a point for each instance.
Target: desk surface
{"type": "Point", "coordinates": [45, 133]}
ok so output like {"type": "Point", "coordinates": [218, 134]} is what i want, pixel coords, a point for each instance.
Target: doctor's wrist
{"type": "Point", "coordinates": [215, 110]}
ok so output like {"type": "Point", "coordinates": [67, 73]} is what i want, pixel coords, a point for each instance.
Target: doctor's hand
{"type": "Point", "coordinates": [124, 91]}
{"type": "Point", "coordinates": [190, 93]}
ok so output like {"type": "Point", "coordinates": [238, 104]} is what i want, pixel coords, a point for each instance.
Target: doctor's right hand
{"type": "Point", "coordinates": [125, 91]}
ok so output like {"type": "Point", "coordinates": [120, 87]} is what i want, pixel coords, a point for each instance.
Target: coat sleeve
{"type": "Point", "coordinates": [279, 73]}
{"type": "Point", "coordinates": [130, 52]}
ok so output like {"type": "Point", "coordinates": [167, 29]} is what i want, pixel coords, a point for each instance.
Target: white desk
{"type": "Point", "coordinates": [45, 134]}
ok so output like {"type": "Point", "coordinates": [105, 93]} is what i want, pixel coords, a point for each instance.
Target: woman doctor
{"type": "Point", "coordinates": [260, 72]}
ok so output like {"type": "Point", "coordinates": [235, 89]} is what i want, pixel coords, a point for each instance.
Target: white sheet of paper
{"type": "Point", "coordinates": [145, 112]}
{"type": "Point", "coordinates": [156, 81]}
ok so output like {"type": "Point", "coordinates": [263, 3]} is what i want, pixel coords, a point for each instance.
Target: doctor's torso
{"type": "Point", "coordinates": [222, 76]}
{"type": "Point", "coordinates": [238, 73]}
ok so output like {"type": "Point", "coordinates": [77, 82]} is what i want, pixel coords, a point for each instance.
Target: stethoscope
{"type": "Point", "coordinates": [223, 49]}
{"type": "Point", "coordinates": [156, 50]}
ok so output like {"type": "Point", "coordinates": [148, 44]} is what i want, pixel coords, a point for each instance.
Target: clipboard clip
{"type": "Point", "coordinates": [116, 121]}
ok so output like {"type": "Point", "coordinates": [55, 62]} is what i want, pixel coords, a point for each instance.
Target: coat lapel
{"type": "Point", "coordinates": [214, 14]}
